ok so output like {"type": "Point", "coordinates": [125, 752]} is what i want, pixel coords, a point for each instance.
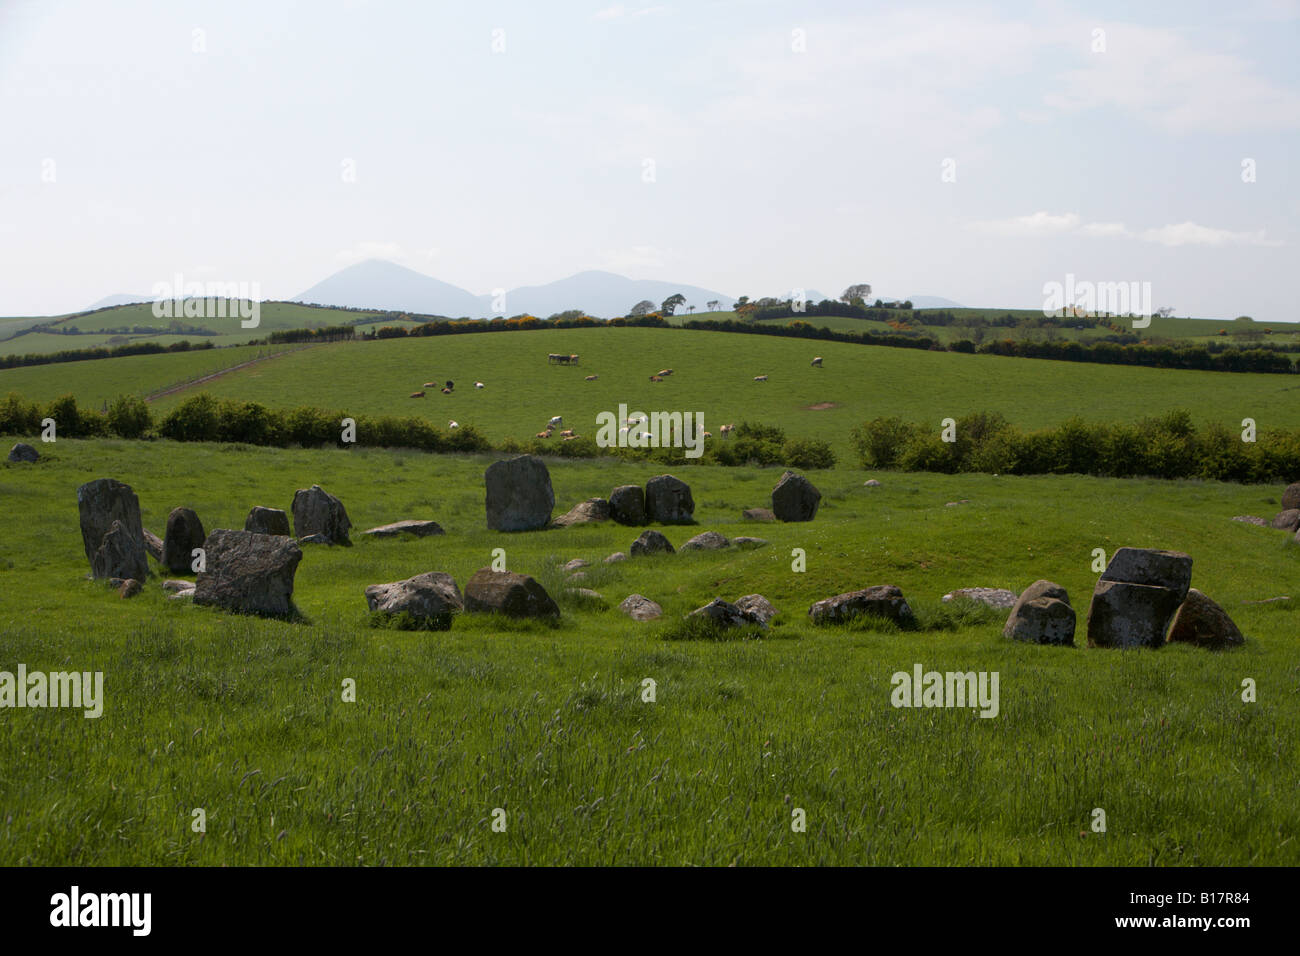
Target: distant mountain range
{"type": "Point", "coordinates": [383, 285]}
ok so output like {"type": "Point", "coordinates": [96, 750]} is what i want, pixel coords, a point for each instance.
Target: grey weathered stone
{"type": "Point", "coordinates": [651, 542]}
{"type": "Point", "coordinates": [420, 528]}
{"type": "Point", "coordinates": [725, 614]}
{"type": "Point", "coordinates": [1151, 567]}
{"type": "Point", "coordinates": [746, 542]}
{"type": "Point", "coordinates": [993, 597]}
{"type": "Point", "coordinates": [129, 588]}
{"type": "Point", "coordinates": [317, 538]}
{"type": "Point", "coordinates": [871, 483]}
{"type": "Point", "coordinates": [795, 498]}
{"type": "Point", "coordinates": [519, 496]}
{"type": "Point", "coordinates": [640, 608]}
{"type": "Point", "coordinates": [758, 514]}
{"type": "Point", "coordinates": [1200, 621]}
{"type": "Point", "coordinates": [183, 534]}
{"type": "Point", "coordinates": [1288, 520]}
{"type": "Point", "coordinates": [584, 512]}
{"type": "Point", "coordinates": [706, 541]}
{"type": "Point", "coordinates": [1291, 497]}
{"type": "Point", "coordinates": [1251, 519]}
{"type": "Point", "coordinates": [153, 545]}
{"type": "Point", "coordinates": [1042, 615]}
{"type": "Point", "coordinates": [175, 585]}
{"type": "Point", "coordinates": [267, 521]}
{"type": "Point", "coordinates": [504, 592]}
{"type": "Point", "coordinates": [248, 572]}
{"type": "Point", "coordinates": [23, 452]}
{"type": "Point", "coordinates": [102, 503]}
{"type": "Point", "coordinates": [615, 557]}
{"type": "Point", "coordinates": [668, 500]}
{"type": "Point", "coordinates": [431, 599]}
{"type": "Point", "coordinates": [316, 511]}
{"type": "Point", "coordinates": [576, 564]}
{"type": "Point", "coordinates": [756, 607]}
{"type": "Point", "coordinates": [1125, 615]}
{"type": "Point", "coordinates": [627, 505]}
{"type": "Point", "coordinates": [882, 600]}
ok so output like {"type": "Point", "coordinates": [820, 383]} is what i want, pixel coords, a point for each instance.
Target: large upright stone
{"type": "Point", "coordinates": [183, 534]}
{"type": "Point", "coordinates": [668, 500]}
{"type": "Point", "coordinates": [1042, 615]}
{"type": "Point", "coordinates": [519, 494]}
{"type": "Point", "coordinates": [1137, 596]}
{"type": "Point", "coordinates": [431, 599]}
{"type": "Point", "coordinates": [627, 504]}
{"type": "Point", "coordinates": [101, 503]}
{"type": "Point", "coordinates": [1291, 497]}
{"type": "Point", "coordinates": [795, 498]}
{"type": "Point", "coordinates": [316, 511]}
{"type": "Point", "coordinates": [249, 573]}
{"type": "Point", "coordinates": [504, 592]}
{"type": "Point", "coordinates": [1151, 567]}
{"type": "Point", "coordinates": [267, 521]}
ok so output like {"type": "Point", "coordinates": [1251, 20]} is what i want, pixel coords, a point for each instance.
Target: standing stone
{"type": "Point", "coordinates": [1042, 615]}
{"type": "Point", "coordinates": [431, 599]}
{"type": "Point", "coordinates": [795, 498]}
{"type": "Point", "coordinates": [316, 511]}
{"type": "Point", "coordinates": [103, 503]}
{"type": "Point", "coordinates": [23, 452]}
{"type": "Point", "coordinates": [640, 608]}
{"type": "Point", "coordinates": [1202, 622]}
{"type": "Point", "coordinates": [1291, 497]}
{"type": "Point", "coordinates": [1137, 596]}
{"type": "Point", "coordinates": [586, 512]}
{"type": "Point", "coordinates": [882, 600]}
{"type": "Point", "coordinates": [627, 504]}
{"type": "Point", "coordinates": [249, 573]}
{"type": "Point", "coordinates": [668, 500]}
{"type": "Point", "coordinates": [504, 592]}
{"type": "Point", "coordinates": [650, 542]}
{"type": "Point", "coordinates": [267, 521]}
{"type": "Point", "coordinates": [519, 494]}
{"type": "Point", "coordinates": [184, 533]}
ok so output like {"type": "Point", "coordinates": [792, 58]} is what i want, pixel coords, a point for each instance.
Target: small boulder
{"type": "Point", "coordinates": [576, 564]}
{"type": "Point", "coordinates": [627, 505]}
{"type": "Point", "coordinates": [412, 526]}
{"type": "Point", "coordinates": [668, 500]}
{"type": "Point", "coordinates": [23, 452]}
{"type": "Point", "coordinates": [758, 514]}
{"type": "Point", "coordinates": [882, 600]}
{"type": "Point", "coordinates": [1202, 622]}
{"type": "Point", "coordinates": [175, 585]}
{"type": "Point", "coordinates": [504, 592]}
{"type": "Point", "coordinates": [518, 495]}
{"type": "Point", "coordinates": [1288, 520]}
{"type": "Point", "coordinates": [183, 534]}
{"type": "Point", "coordinates": [725, 614]}
{"type": "Point", "coordinates": [1042, 615]}
{"type": "Point", "coordinates": [871, 483]}
{"type": "Point", "coordinates": [706, 541]}
{"type": "Point", "coordinates": [757, 608]}
{"type": "Point", "coordinates": [993, 597]}
{"type": "Point", "coordinates": [587, 594]}
{"type": "Point", "coordinates": [640, 608]}
{"type": "Point", "coordinates": [317, 512]}
{"type": "Point", "coordinates": [431, 599]}
{"type": "Point", "coordinates": [616, 557]}
{"type": "Point", "coordinates": [585, 512]}
{"type": "Point", "coordinates": [651, 542]}
{"type": "Point", "coordinates": [129, 589]}
{"type": "Point", "coordinates": [747, 542]}
{"type": "Point", "coordinates": [249, 573]}
{"type": "Point", "coordinates": [316, 539]}
{"type": "Point", "coordinates": [795, 498]}
{"type": "Point", "coordinates": [1251, 519]}
{"type": "Point", "coordinates": [268, 521]}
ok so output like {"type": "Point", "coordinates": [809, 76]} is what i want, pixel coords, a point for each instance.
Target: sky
{"type": "Point", "coordinates": [972, 151]}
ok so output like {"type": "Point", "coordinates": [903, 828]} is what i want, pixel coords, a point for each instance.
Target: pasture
{"type": "Point", "coordinates": [243, 717]}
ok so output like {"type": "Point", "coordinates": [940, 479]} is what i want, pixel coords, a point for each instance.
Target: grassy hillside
{"type": "Point", "coordinates": [243, 717]}
{"type": "Point", "coordinates": [713, 374]}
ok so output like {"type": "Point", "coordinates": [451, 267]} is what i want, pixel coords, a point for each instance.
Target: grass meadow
{"type": "Point", "coordinates": [244, 717]}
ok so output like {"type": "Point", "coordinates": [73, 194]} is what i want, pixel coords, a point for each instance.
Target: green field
{"type": "Point", "coordinates": [243, 717]}
{"type": "Point", "coordinates": [713, 374]}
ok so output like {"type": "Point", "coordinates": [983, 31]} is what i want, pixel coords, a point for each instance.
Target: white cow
{"type": "Point", "coordinates": [453, 425]}
{"type": "Point", "coordinates": [760, 378]}
{"type": "Point", "coordinates": [478, 385]}
{"type": "Point", "coordinates": [556, 422]}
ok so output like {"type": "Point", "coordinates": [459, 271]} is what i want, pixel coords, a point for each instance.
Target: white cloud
{"type": "Point", "coordinates": [1194, 234]}
{"type": "Point", "coordinates": [1035, 224]}
{"type": "Point", "coordinates": [1040, 224]}
{"type": "Point", "coordinates": [1105, 230]}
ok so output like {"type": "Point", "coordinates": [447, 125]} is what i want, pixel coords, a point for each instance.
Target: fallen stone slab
{"type": "Point", "coordinates": [576, 564]}
{"type": "Point", "coordinates": [758, 514]}
{"type": "Point", "coordinates": [747, 542]}
{"type": "Point", "coordinates": [176, 585]}
{"type": "Point", "coordinates": [881, 600]}
{"type": "Point", "coordinates": [706, 541]}
{"type": "Point", "coordinates": [508, 593]}
{"type": "Point", "coordinates": [591, 511]}
{"type": "Point", "coordinates": [993, 597]}
{"type": "Point", "coordinates": [1251, 519]}
{"type": "Point", "coordinates": [419, 527]}
{"type": "Point", "coordinates": [431, 599]}
{"type": "Point", "coordinates": [153, 545]}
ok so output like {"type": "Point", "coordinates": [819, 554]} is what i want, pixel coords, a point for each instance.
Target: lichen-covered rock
{"type": "Point", "coordinates": [504, 592]}
{"type": "Point", "coordinates": [640, 608]}
{"type": "Point", "coordinates": [706, 541]}
{"type": "Point", "coordinates": [627, 505]}
{"type": "Point", "coordinates": [431, 599]}
{"type": "Point", "coordinates": [317, 512]}
{"type": "Point", "coordinates": [249, 573]}
{"type": "Point", "coordinates": [101, 504]}
{"type": "Point", "coordinates": [1042, 615]}
{"type": "Point", "coordinates": [417, 527]}
{"type": "Point", "coordinates": [584, 512]}
{"type": "Point", "coordinates": [881, 600]}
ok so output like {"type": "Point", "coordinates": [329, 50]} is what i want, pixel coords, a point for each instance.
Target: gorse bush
{"type": "Point", "coordinates": [1164, 446]}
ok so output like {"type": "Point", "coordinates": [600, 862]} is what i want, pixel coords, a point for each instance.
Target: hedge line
{"type": "Point", "coordinates": [116, 351]}
{"type": "Point", "coordinates": [1166, 446]}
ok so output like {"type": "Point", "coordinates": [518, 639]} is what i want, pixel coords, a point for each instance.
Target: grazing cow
{"type": "Point", "coordinates": [656, 378]}
{"type": "Point", "coordinates": [430, 384]}
{"type": "Point", "coordinates": [453, 425]}
{"type": "Point", "coordinates": [450, 385]}
{"type": "Point", "coordinates": [554, 358]}
{"type": "Point", "coordinates": [726, 430]}
{"type": "Point", "coordinates": [568, 437]}
{"type": "Point", "coordinates": [567, 433]}
{"type": "Point", "coordinates": [478, 385]}
{"type": "Point", "coordinates": [591, 378]}
{"type": "Point", "coordinates": [817, 362]}
{"type": "Point", "coordinates": [573, 360]}
{"type": "Point", "coordinates": [665, 371]}
{"type": "Point", "coordinates": [760, 378]}
{"type": "Point", "coordinates": [417, 395]}
{"type": "Point", "coordinates": [555, 422]}
{"type": "Point", "coordinates": [446, 391]}
{"type": "Point", "coordinates": [708, 434]}
{"type": "Point", "coordinates": [545, 434]}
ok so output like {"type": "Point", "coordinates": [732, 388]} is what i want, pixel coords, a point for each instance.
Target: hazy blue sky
{"type": "Point", "coordinates": [793, 144]}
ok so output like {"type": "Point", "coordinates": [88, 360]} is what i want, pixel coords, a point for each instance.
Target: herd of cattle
{"type": "Point", "coordinates": [557, 422]}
